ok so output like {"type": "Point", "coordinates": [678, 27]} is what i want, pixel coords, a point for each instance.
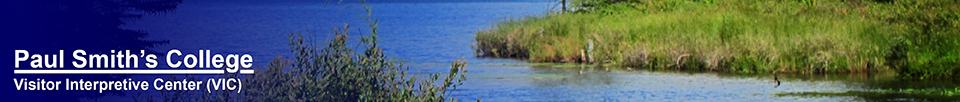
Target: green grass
{"type": "Point", "coordinates": [741, 36]}
{"type": "Point", "coordinates": [889, 94]}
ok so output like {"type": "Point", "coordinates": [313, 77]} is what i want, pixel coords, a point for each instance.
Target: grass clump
{"type": "Point", "coordinates": [917, 38]}
{"type": "Point", "coordinates": [336, 72]}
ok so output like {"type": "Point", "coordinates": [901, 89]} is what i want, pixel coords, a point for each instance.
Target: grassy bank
{"type": "Point", "coordinates": [918, 39]}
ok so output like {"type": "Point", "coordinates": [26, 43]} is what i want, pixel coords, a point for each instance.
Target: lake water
{"type": "Point", "coordinates": [431, 35]}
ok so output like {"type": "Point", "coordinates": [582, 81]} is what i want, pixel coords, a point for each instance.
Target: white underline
{"type": "Point", "coordinates": [214, 71]}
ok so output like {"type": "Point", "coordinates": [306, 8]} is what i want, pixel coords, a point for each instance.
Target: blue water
{"type": "Point", "coordinates": [417, 32]}
{"type": "Point", "coordinates": [430, 35]}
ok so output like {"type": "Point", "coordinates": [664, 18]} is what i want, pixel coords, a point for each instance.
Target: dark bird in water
{"type": "Point", "coordinates": [775, 78]}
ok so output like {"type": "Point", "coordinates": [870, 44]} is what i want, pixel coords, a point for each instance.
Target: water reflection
{"type": "Point", "coordinates": [565, 82]}
{"type": "Point", "coordinates": [871, 87]}
{"type": "Point", "coordinates": [564, 76]}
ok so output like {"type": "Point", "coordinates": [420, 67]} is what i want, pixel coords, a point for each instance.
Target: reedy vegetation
{"type": "Point", "coordinates": [333, 73]}
{"type": "Point", "coordinates": [919, 39]}
{"type": "Point", "coordinates": [337, 73]}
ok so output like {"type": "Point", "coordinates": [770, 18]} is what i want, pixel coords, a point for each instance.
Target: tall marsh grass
{"type": "Point", "coordinates": [742, 36]}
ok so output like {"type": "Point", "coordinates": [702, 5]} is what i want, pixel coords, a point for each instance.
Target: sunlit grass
{"type": "Point", "coordinates": [711, 38]}
{"type": "Point", "coordinates": [741, 36]}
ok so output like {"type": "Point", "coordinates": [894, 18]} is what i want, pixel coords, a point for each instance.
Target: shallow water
{"type": "Point", "coordinates": [431, 35]}
{"type": "Point", "coordinates": [575, 83]}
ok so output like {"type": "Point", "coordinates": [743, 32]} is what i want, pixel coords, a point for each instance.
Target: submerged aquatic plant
{"type": "Point", "coordinates": [889, 94]}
